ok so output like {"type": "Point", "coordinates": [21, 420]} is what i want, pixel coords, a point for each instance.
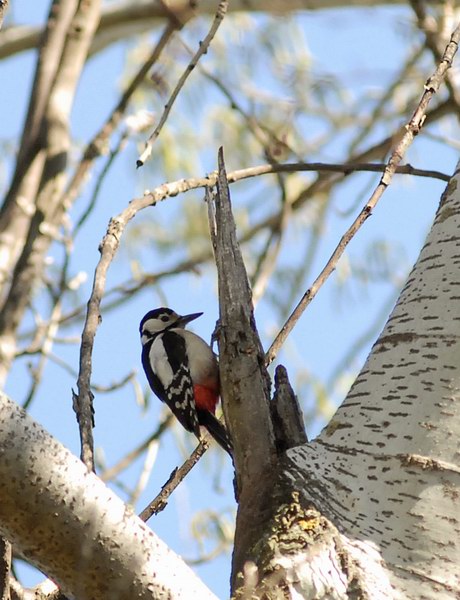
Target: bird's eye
{"type": "Point", "coordinates": [164, 318]}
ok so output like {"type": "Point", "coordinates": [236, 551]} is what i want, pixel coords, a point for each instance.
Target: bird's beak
{"type": "Point", "coordinates": [187, 318]}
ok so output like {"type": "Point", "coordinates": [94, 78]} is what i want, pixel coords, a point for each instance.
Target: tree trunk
{"type": "Point", "coordinates": [370, 509]}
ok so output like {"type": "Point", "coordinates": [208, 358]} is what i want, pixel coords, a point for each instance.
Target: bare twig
{"type": "Point", "coordinates": [412, 129]}
{"type": "Point", "coordinates": [97, 145]}
{"type": "Point", "coordinates": [119, 20]}
{"type": "Point", "coordinates": [267, 138]}
{"type": "Point", "coordinates": [37, 372]}
{"type": "Point", "coordinates": [46, 334]}
{"type": "Point", "coordinates": [325, 182]}
{"type": "Point", "coordinates": [267, 259]}
{"type": "Point", "coordinates": [390, 92]}
{"type": "Point", "coordinates": [100, 180]}
{"type": "Point", "coordinates": [127, 460]}
{"type": "Point", "coordinates": [435, 44]}
{"type": "Point", "coordinates": [344, 168]}
{"type": "Point", "coordinates": [142, 480]}
{"type": "Point", "coordinates": [96, 387]}
{"type": "Point", "coordinates": [204, 45]}
{"type": "Point", "coordinates": [160, 502]}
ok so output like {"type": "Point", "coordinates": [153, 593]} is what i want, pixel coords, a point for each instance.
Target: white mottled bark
{"type": "Point", "coordinates": [69, 524]}
{"type": "Point", "coordinates": [386, 470]}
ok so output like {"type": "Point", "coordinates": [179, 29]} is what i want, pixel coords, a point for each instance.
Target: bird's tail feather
{"type": "Point", "coordinates": [216, 429]}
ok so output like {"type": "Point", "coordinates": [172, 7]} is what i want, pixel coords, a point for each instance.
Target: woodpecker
{"type": "Point", "coordinates": [182, 371]}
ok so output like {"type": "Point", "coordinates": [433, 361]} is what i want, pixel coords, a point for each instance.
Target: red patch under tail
{"type": "Point", "coordinates": [205, 398]}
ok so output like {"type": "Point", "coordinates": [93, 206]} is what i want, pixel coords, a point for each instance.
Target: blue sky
{"type": "Point", "coordinates": [361, 46]}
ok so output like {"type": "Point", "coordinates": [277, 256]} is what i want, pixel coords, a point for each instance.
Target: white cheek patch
{"type": "Point", "coordinates": [160, 363]}
{"type": "Point", "coordinates": [153, 326]}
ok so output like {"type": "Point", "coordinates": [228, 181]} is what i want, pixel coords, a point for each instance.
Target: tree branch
{"type": "Point", "coordinates": [203, 48]}
{"type": "Point", "coordinates": [3, 9]}
{"type": "Point", "coordinates": [112, 472]}
{"type": "Point", "coordinates": [49, 129]}
{"type": "Point", "coordinates": [5, 568]}
{"type": "Point", "coordinates": [127, 18]}
{"type": "Point", "coordinates": [160, 502]}
{"type": "Point", "coordinates": [412, 129]}
{"type": "Point", "coordinates": [88, 541]}
{"type": "Point", "coordinates": [97, 145]}
{"type": "Point", "coordinates": [245, 383]}
{"type": "Point", "coordinates": [436, 46]}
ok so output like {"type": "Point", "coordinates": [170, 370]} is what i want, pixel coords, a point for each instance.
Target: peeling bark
{"type": "Point", "coordinates": [286, 414]}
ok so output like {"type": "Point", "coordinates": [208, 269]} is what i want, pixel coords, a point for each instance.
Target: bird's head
{"type": "Point", "coordinates": [159, 320]}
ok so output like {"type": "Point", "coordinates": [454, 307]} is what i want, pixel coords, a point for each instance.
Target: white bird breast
{"type": "Point", "coordinates": [201, 359]}
{"type": "Point", "coordinates": [160, 363]}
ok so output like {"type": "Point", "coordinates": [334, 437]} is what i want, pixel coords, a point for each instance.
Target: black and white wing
{"type": "Point", "coordinates": [166, 365]}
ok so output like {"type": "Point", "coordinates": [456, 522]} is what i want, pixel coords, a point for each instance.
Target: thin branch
{"type": "Point", "coordinates": [308, 257]}
{"type": "Point", "coordinates": [37, 178]}
{"type": "Point", "coordinates": [267, 138]}
{"type": "Point", "coordinates": [325, 182]}
{"type": "Point", "coordinates": [184, 185]}
{"type": "Point", "coordinates": [390, 92]}
{"type": "Point", "coordinates": [47, 344]}
{"type": "Point", "coordinates": [93, 150]}
{"type": "Point", "coordinates": [119, 20]}
{"type": "Point", "coordinates": [434, 43]}
{"type": "Point", "coordinates": [46, 333]}
{"type": "Point", "coordinates": [345, 168]}
{"type": "Point", "coordinates": [97, 145]}
{"type": "Point", "coordinates": [125, 18]}
{"type": "Point", "coordinates": [268, 257]}
{"type": "Point", "coordinates": [412, 129]}
{"type": "Point", "coordinates": [99, 388]}
{"type": "Point", "coordinates": [204, 45]}
{"type": "Point", "coordinates": [161, 501]}
{"type": "Point", "coordinates": [143, 479]}
{"type": "Point", "coordinates": [129, 458]}
{"type": "Point", "coordinates": [100, 180]}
